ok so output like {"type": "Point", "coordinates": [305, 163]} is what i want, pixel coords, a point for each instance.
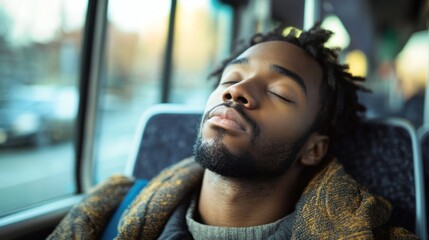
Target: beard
{"type": "Point", "coordinates": [274, 157]}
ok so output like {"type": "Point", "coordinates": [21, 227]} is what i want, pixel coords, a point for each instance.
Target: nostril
{"type": "Point", "coordinates": [228, 96]}
{"type": "Point", "coordinates": [243, 100]}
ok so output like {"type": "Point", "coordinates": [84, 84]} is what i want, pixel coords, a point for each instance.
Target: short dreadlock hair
{"type": "Point", "coordinates": [340, 112]}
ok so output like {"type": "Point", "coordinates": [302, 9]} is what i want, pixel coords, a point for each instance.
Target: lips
{"type": "Point", "coordinates": [227, 118]}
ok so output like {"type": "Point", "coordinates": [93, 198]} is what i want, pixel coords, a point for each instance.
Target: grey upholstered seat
{"type": "Point", "coordinates": [384, 156]}
{"type": "Point", "coordinates": [167, 134]}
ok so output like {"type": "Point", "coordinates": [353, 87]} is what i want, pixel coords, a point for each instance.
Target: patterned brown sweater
{"type": "Point", "coordinates": [332, 206]}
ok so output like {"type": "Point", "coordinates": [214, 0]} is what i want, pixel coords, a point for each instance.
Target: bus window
{"type": "Point", "coordinates": [40, 44]}
{"type": "Point", "coordinates": [135, 61]}
{"type": "Point", "coordinates": [196, 53]}
{"type": "Point", "coordinates": [135, 40]}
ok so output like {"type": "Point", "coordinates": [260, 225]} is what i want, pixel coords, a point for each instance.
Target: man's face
{"type": "Point", "coordinates": [257, 120]}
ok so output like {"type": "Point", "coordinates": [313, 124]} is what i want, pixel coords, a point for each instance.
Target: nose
{"type": "Point", "coordinates": [243, 93]}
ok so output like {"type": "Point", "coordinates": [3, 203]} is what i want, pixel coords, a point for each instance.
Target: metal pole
{"type": "Point", "coordinates": [426, 102]}
{"type": "Point", "coordinates": [311, 13]}
{"type": "Point", "coordinates": [168, 64]}
{"type": "Point", "coordinates": [92, 57]}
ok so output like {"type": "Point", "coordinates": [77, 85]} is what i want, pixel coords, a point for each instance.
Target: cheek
{"type": "Point", "coordinates": [282, 126]}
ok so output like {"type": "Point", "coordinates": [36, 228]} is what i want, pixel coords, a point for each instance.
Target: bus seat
{"type": "Point", "coordinates": [166, 134]}
{"type": "Point", "coordinates": [424, 142]}
{"type": "Point", "coordinates": [384, 156]}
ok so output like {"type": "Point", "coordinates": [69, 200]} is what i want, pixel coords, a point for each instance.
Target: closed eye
{"type": "Point", "coordinates": [229, 83]}
{"type": "Point", "coordinates": [281, 97]}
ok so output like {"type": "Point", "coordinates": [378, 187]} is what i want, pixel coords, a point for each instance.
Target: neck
{"type": "Point", "coordinates": [231, 202]}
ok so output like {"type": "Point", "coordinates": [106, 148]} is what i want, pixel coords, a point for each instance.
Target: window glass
{"type": "Point", "coordinates": [202, 40]}
{"type": "Point", "coordinates": [135, 52]}
{"type": "Point", "coordinates": [40, 44]}
{"type": "Point", "coordinates": [136, 37]}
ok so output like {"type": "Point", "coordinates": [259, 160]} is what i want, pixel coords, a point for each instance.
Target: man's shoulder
{"type": "Point", "coordinates": [87, 219]}
{"type": "Point", "coordinates": [335, 203]}
{"type": "Point", "coordinates": [340, 193]}
{"type": "Point", "coordinates": [120, 181]}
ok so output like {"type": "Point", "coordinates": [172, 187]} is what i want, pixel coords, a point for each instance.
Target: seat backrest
{"type": "Point", "coordinates": [423, 134]}
{"type": "Point", "coordinates": [166, 134]}
{"type": "Point", "coordinates": [384, 156]}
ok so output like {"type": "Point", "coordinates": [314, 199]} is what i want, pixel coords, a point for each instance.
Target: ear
{"type": "Point", "coordinates": [315, 149]}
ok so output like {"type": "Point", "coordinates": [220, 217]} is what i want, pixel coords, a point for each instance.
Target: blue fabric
{"type": "Point", "coordinates": [111, 230]}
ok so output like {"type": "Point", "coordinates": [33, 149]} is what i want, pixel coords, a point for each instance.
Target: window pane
{"type": "Point", "coordinates": [135, 54]}
{"type": "Point", "coordinates": [202, 40]}
{"type": "Point", "coordinates": [136, 38]}
{"type": "Point", "coordinates": [40, 43]}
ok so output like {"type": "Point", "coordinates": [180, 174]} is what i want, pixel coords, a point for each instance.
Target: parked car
{"type": "Point", "coordinates": [37, 116]}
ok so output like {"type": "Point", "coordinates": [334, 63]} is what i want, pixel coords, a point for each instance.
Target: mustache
{"type": "Point", "coordinates": [240, 109]}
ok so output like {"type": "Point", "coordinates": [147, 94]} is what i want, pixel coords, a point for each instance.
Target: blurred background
{"type": "Point", "coordinates": [75, 77]}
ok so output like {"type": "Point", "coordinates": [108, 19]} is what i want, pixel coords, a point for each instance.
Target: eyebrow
{"type": "Point", "coordinates": [275, 68]}
{"type": "Point", "coordinates": [238, 61]}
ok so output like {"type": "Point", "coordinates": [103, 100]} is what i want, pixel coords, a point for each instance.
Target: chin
{"type": "Point", "coordinates": [215, 156]}
{"type": "Point", "coordinates": [217, 137]}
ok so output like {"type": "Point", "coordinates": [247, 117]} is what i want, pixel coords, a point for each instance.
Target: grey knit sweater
{"type": "Point", "coordinates": [183, 226]}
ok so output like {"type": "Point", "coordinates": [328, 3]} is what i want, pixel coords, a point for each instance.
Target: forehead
{"type": "Point", "coordinates": [288, 56]}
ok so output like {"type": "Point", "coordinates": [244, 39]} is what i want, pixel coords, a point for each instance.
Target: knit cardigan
{"type": "Point", "coordinates": [332, 206]}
